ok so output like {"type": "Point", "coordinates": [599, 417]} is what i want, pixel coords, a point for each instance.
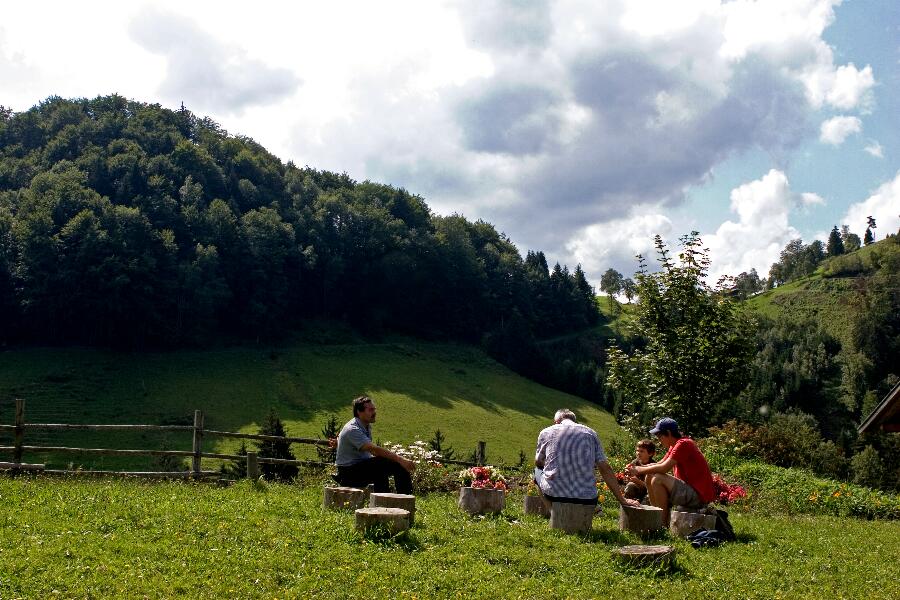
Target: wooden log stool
{"type": "Point", "coordinates": [646, 556]}
{"type": "Point", "coordinates": [386, 500]}
{"type": "Point", "coordinates": [480, 501]}
{"type": "Point", "coordinates": [394, 520]}
{"type": "Point", "coordinates": [571, 517]}
{"type": "Point", "coordinates": [343, 498]}
{"type": "Point", "coordinates": [534, 505]}
{"type": "Point", "coordinates": [683, 523]}
{"type": "Point", "coordinates": [641, 520]}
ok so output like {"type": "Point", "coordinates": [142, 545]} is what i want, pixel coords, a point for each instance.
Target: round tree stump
{"type": "Point", "coordinates": [386, 500]}
{"type": "Point", "coordinates": [343, 498]}
{"type": "Point", "coordinates": [480, 501]}
{"type": "Point", "coordinates": [683, 524]}
{"type": "Point", "coordinates": [570, 517]}
{"type": "Point", "coordinates": [646, 556]}
{"type": "Point", "coordinates": [393, 520]}
{"type": "Point", "coordinates": [534, 505]}
{"type": "Point", "coordinates": [640, 519]}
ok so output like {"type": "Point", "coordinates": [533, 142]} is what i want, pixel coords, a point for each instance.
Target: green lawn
{"type": "Point", "coordinates": [120, 539]}
{"type": "Point", "coordinates": [419, 387]}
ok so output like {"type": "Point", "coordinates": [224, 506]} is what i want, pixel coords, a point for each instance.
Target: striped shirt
{"type": "Point", "coordinates": [569, 451]}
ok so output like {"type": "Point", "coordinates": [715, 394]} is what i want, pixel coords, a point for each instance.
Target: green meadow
{"type": "Point", "coordinates": [418, 387]}
{"type": "Point", "coordinates": [131, 539]}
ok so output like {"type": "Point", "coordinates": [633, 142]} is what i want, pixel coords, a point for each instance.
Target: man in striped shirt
{"type": "Point", "coordinates": [567, 453]}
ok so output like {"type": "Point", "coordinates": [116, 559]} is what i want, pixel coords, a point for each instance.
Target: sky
{"type": "Point", "coordinates": [580, 128]}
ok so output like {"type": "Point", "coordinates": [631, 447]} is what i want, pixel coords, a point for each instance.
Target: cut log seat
{"type": "Point", "coordinates": [571, 517]}
{"type": "Point", "coordinates": [343, 498]}
{"type": "Point", "coordinates": [394, 520]}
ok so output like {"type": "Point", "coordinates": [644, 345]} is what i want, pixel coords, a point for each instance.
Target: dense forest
{"type": "Point", "coordinates": [129, 225]}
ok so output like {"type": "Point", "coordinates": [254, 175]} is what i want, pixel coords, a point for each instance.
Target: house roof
{"type": "Point", "coordinates": [886, 416]}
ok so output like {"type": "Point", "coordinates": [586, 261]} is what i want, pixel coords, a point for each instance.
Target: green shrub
{"type": "Point", "coordinates": [797, 491]}
{"type": "Point", "coordinates": [867, 467]}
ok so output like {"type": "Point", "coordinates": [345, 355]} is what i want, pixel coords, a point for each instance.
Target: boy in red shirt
{"type": "Point", "coordinates": [691, 486]}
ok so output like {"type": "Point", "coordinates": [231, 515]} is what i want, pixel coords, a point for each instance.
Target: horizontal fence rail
{"type": "Point", "coordinates": [253, 460]}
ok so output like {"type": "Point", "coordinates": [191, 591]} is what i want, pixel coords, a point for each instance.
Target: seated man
{"type": "Point", "coordinates": [566, 456]}
{"type": "Point", "coordinates": [643, 452]}
{"type": "Point", "coordinates": [360, 462]}
{"type": "Point", "coordinates": [692, 484]}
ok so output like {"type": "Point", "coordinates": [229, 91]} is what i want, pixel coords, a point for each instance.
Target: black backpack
{"type": "Point", "coordinates": [723, 525]}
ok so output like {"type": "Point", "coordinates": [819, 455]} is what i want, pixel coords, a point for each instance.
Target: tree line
{"type": "Point", "coordinates": [130, 225]}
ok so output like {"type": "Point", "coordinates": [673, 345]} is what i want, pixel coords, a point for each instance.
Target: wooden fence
{"type": "Point", "coordinates": [196, 453]}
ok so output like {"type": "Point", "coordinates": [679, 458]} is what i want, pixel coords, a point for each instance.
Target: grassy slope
{"type": "Point", "coordinates": [113, 539]}
{"type": "Point", "coordinates": [829, 300]}
{"type": "Point", "coordinates": [418, 387]}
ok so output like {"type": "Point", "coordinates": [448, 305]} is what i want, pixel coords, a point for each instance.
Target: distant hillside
{"type": "Point", "coordinates": [833, 294]}
{"type": "Point", "coordinates": [419, 387]}
{"type": "Point", "coordinates": [829, 343]}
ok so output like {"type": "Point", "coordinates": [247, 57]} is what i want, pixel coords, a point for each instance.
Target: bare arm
{"type": "Point", "coordinates": [609, 478]}
{"type": "Point", "coordinates": [660, 467]}
{"type": "Point", "coordinates": [382, 452]}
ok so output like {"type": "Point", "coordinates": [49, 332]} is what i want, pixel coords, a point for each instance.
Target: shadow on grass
{"type": "Point", "coordinates": [407, 540]}
{"type": "Point", "coordinates": [744, 538]}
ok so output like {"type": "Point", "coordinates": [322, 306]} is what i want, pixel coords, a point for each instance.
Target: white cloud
{"type": "Point", "coordinates": [835, 130]}
{"type": "Point", "coordinates": [875, 149]}
{"type": "Point", "coordinates": [883, 206]}
{"type": "Point", "coordinates": [762, 230]}
{"type": "Point", "coordinates": [615, 244]}
{"type": "Point", "coordinates": [808, 199]}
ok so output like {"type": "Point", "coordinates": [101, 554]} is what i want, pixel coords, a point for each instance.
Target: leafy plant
{"type": "Point", "coordinates": [697, 344]}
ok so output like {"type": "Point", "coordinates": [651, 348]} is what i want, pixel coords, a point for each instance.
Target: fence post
{"type": "Point", "coordinates": [19, 431]}
{"type": "Point", "coordinates": [198, 442]}
{"type": "Point", "coordinates": [252, 466]}
{"type": "Point", "coordinates": [480, 453]}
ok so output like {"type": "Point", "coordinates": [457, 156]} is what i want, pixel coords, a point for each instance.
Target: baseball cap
{"type": "Point", "coordinates": [665, 424]}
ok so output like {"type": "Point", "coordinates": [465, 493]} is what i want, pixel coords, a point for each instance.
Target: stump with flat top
{"type": "Point", "coordinates": [386, 500]}
{"type": "Point", "coordinates": [393, 520]}
{"type": "Point", "coordinates": [641, 520]}
{"type": "Point", "coordinates": [646, 556]}
{"type": "Point", "coordinates": [480, 501]}
{"type": "Point", "coordinates": [343, 497]}
{"type": "Point", "coordinates": [682, 524]}
{"type": "Point", "coordinates": [534, 505]}
{"type": "Point", "coordinates": [571, 517]}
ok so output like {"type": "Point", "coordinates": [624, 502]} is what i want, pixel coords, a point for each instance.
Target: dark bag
{"type": "Point", "coordinates": [724, 526]}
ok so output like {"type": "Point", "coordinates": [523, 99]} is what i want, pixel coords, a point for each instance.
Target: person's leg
{"type": "Point", "coordinates": [385, 468]}
{"type": "Point", "coordinates": [359, 475]}
{"type": "Point", "coordinates": [659, 487]}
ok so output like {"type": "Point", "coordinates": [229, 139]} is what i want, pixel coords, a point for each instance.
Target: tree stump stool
{"type": "Point", "coordinates": [534, 505]}
{"type": "Point", "coordinates": [571, 517]}
{"type": "Point", "coordinates": [646, 556]}
{"type": "Point", "coordinates": [393, 520]}
{"type": "Point", "coordinates": [386, 500]}
{"type": "Point", "coordinates": [480, 501]}
{"type": "Point", "coordinates": [683, 523]}
{"type": "Point", "coordinates": [343, 497]}
{"type": "Point", "coordinates": [641, 520]}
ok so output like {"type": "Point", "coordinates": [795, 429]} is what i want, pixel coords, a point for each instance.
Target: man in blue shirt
{"type": "Point", "coordinates": [360, 462]}
{"type": "Point", "coordinates": [567, 454]}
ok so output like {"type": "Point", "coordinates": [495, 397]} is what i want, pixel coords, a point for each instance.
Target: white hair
{"type": "Point", "coordinates": [564, 413]}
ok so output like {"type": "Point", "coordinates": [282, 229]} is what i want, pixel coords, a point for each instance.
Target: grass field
{"type": "Point", "coordinates": [419, 387]}
{"type": "Point", "coordinates": [121, 539]}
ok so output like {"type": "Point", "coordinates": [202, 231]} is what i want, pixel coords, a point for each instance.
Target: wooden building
{"type": "Point", "coordinates": [886, 416]}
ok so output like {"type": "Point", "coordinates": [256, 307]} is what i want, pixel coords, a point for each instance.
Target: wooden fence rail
{"type": "Point", "coordinates": [196, 452]}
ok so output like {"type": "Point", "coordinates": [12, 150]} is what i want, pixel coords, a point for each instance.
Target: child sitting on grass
{"type": "Point", "coordinates": [635, 488]}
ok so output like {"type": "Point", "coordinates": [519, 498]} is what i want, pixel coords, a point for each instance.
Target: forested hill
{"type": "Point", "coordinates": [127, 224]}
{"type": "Point", "coordinates": [829, 342]}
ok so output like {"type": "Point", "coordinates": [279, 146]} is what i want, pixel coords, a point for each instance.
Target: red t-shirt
{"type": "Point", "coordinates": [691, 467]}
